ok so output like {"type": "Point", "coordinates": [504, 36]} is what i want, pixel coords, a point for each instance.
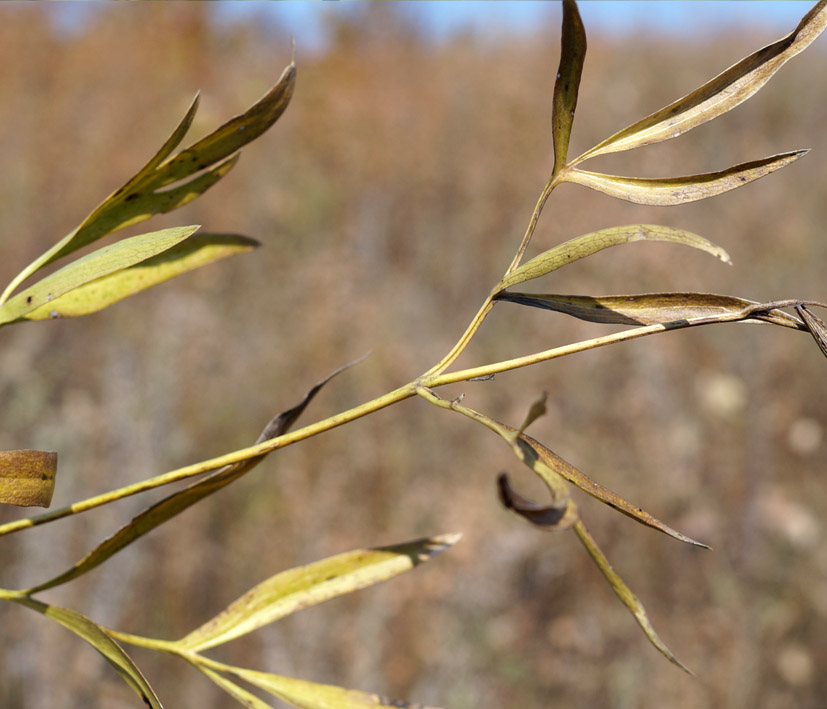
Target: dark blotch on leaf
{"type": "Point", "coordinates": [130, 197]}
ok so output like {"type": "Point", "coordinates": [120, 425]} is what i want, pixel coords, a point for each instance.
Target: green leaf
{"type": "Point", "coordinates": [109, 259]}
{"type": "Point", "coordinates": [624, 593]}
{"type": "Point", "coordinates": [721, 94]}
{"type": "Point", "coordinates": [27, 477]}
{"type": "Point", "coordinates": [96, 295]}
{"type": "Point", "coordinates": [816, 326]}
{"type": "Point", "coordinates": [591, 243]}
{"type": "Point", "coordinates": [311, 695]}
{"type": "Point", "coordinates": [680, 190]}
{"type": "Point", "coordinates": [143, 195]}
{"type": "Point", "coordinates": [306, 586]}
{"type": "Point", "coordinates": [172, 505]}
{"type": "Point", "coordinates": [653, 308]}
{"type": "Point", "coordinates": [242, 696]}
{"type": "Point", "coordinates": [98, 638]}
{"type": "Point", "coordinates": [572, 56]}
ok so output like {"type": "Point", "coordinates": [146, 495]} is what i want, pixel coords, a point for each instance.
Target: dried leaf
{"type": "Point", "coordinates": [591, 243]}
{"type": "Point", "coordinates": [100, 263]}
{"type": "Point", "coordinates": [172, 505]}
{"type": "Point", "coordinates": [547, 517]}
{"type": "Point", "coordinates": [27, 477]}
{"type": "Point", "coordinates": [816, 326]}
{"type": "Point", "coordinates": [625, 594]}
{"type": "Point", "coordinates": [680, 190]}
{"type": "Point", "coordinates": [572, 56]}
{"type": "Point", "coordinates": [652, 308]}
{"type": "Point", "coordinates": [576, 477]}
{"type": "Point", "coordinates": [98, 638]}
{"type": "Point", "coordinates": [306, 586]}
{"type": "Point", "coordinates": [96, 295]}
{"type": "Point", "coordinates": [721, 94]}
{"type": "Point", "coordinates": [311, 695]}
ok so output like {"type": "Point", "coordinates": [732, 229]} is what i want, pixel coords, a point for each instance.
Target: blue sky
{"type": "Point", "coordinates": [442, 19]}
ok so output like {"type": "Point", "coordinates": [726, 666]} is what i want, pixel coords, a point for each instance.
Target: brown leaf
{"type": "Point", "coordinates": [572, 56]}
{"type": "Point", "coordinates": [816, 326]}
{"type": "Point", "coordinates": [547, 517]}
{"type": "Point", "coordinates": [27, 477]}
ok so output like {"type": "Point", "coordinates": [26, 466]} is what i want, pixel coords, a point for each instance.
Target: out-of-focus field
{"type": "Point", "coordinates": [390, 198]}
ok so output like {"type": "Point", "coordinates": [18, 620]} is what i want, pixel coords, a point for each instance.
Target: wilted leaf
{"type": "Point", "coordinates": [177, 502]}
{"type": "Point", "coordinates": [816, 326]}
{"type": "Point", "coordinates": [652, 308]}
{"type": "Point", "coordinates": [721, 94]}
{"type": "Point", "coordinates": [572, 56]}
{"type": "Point", "coordinates": [576, 477]}
{"type": "Point", "coordinates": [547, 517]}
{"type": "Point", "coordinates": [310, 695]}
{"type": "Point", "coordinates": [306, 586]}
{"type": "Point", "coordinates": [142, 196]}
{"type": "Point", "coordinates": [624, 593]}
{"type": "Point", "coordinates": [591, 243]}
{"type": "Point", "coordinates": [27, 477]}
{"type": "Point", "coordinates": [680, 190]}
{"type": "Point", "coordinates": [100, 263]}
{"type": "Point", "coordinates": [98, 638]}
{"type": "Point", "coordinates": [96, 295]}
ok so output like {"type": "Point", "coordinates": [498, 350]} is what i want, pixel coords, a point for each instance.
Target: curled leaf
{"type": "Point", "coordinates": [306, 586]}
{"type": "Point", "coordinates": [680, 190]}
{"type": "Point", "coordinates": [721, 94]}
{"type": "Point", "coordinates": [572, 56]}
{"type": "Point", "coordinates": [591, 243]}
{"type": "Point", "coordinates": [546, 517]}
{"type": "Point", "coordinates": [100, 263]}
{"type": "Point", "coordinates": [625, 594]}
{"type": "Point", "coordinates": [96, 295]}
{"type": "Point", "coordinates": [27, 477]}
{"type": "Point", "coordinates": [98, 638]}
{"type": "Point", "coordinates": [654, 308]}
{"type": "Point", "coordinates": [172, 505]}
{"type": "Point", "coordinates": [816, 326]}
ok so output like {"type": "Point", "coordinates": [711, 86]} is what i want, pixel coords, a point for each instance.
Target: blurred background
{"type": "Point", "coordinates": [389, 198]}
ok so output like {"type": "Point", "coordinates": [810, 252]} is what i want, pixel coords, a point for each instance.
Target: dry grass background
{"type": "Point", "coordinates": [389, 199]}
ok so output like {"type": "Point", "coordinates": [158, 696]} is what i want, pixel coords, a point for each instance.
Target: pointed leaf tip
{"type": "Point", "coordinates": [567, 84]}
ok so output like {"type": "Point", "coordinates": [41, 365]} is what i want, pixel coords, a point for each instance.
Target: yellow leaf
{"type": "Point", "coordinates": [27, 477]}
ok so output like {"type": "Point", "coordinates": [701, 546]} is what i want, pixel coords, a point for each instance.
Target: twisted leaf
{"type": "Point", "coordinates": [96, 295]}
{"type": "Point", "coordinates": [654, 308]}
{"type": "Point", "coordinates": [100, 263]}
{"type": "Point", "coordinates": [721, 94]}
{"type": "Point", "coordinates": [816, 326]}
{"type": "Point", "coordinates": [591, 243]}
{"type": "Point", "coordinates": [572, 56]}
{"type": "Point", "coordinates": [625, 594]}
{"type": "Point", "coordinates": [680, 190]}
{"type": "Point", "coordinates": [306, 586]}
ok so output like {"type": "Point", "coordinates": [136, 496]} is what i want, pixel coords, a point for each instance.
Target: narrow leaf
{"type": "Point", "coordinates": [98, 638]}
{"type": "Point", "coordinates": [172, 505]}
{"type": "Point", "coordinates": [625, 594]}
{"type": "Point", "coordinates": [816, 326]}
{"type": "Point", "coordinates": [547, 517]}
{"type": "Point", "coordinates": [721, 94]}
{"type": "Point", "coordinates": [188, 255]}
{"type": "Point", "coordinates": [100, 263]}
{"type": "Point", "coordinates": [306, 586]}
{"type": "Point", "coordinates": [27, 477]}
{"type": "Point", "coordinates": [311, 695]}
{"type": "Point", "coordinates": [680, 190]}
{"type": "Point", "coordinates": [591, 243]}
{"type": "Point", "coordinates": [579, 479]}
{"type": "Point", "coordinates": [572, 56]}
{"type": "Point", "coordinates": [652, 308]}
{"type": "Point", "coordinates": [242, 696]}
